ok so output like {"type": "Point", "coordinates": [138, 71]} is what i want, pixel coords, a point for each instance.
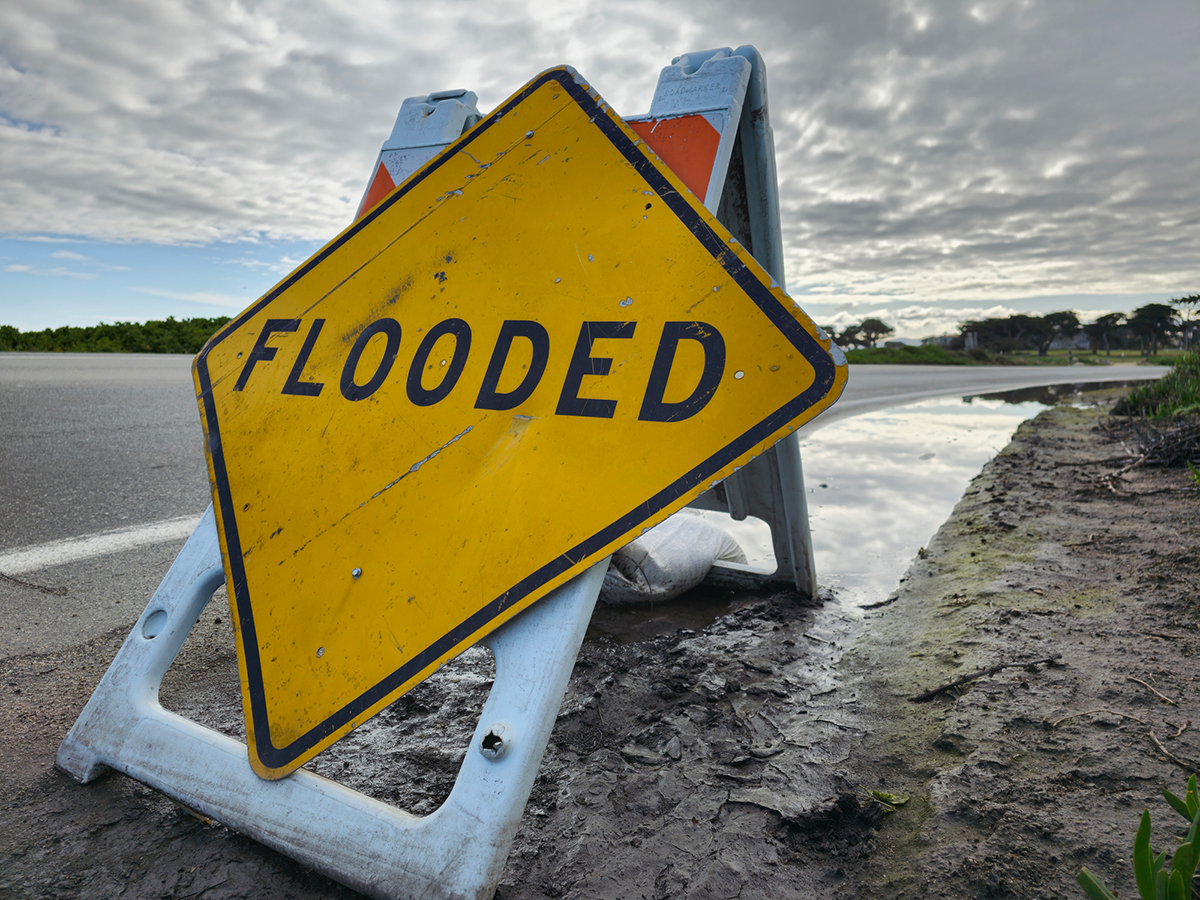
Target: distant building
{"type": "Point", "coordinates": [1078, 341]}
{"type": "Point", "coordinates": [967, 341]}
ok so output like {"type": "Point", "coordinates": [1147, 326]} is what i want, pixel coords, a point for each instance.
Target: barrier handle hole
{"type": "Point", "coordinates": [154, 623]}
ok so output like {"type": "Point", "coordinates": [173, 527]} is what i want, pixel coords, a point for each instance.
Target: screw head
{"type": "Point", "coordinates": [356, 573]}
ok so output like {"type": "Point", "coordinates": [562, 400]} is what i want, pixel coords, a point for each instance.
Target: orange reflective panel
{"type": "Point", "coordinates": [688, 144]}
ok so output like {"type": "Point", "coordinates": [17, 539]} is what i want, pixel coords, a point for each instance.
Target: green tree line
{"type": "Point", "coordinates": [1146, 329]}
{"type": "Point", "coordinates": [157, 336]}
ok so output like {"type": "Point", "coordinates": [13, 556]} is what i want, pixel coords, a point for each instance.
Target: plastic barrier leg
{"type": "Point", "coordinates": [456, 852]}
{"type": "Point", "coordinates": [730, 88]}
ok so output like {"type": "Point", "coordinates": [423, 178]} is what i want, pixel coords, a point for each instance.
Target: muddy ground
{"type": "Point", "coordinates": [736, 758]}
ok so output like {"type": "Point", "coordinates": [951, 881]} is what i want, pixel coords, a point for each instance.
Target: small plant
{"type": "Point", "coordinates": [1154, 880]}
{"type": "Point", "coordinates": [1175, 394]}
{"type": "Point", "coordinates": [889, 801]}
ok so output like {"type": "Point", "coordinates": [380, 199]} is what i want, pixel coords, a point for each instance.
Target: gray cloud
{"type": "Point", "coordinates": [996, 150]}
{"type": "Point", "coordinates": [927, 150]}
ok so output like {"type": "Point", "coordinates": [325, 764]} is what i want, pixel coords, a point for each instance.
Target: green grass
{"type": "Point", "coordinates": [933, 355]}
{"type": "Point", "coordinates": [1056, 358]}
{"type": "Point", "coordinates": [1164, 357]}
{"type": "Point", "coordinates": [157, 336]}
{"type": "Point", "coordinates": [1176, 393]}
{"type": "Point", "coordinates": [927, 354]}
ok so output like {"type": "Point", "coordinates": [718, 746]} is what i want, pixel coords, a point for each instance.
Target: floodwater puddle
{"type": "Point", "coordinates": [879, 485]}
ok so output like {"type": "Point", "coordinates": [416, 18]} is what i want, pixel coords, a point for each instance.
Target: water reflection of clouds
{"type": "Point", "coordinates": [880, 484]}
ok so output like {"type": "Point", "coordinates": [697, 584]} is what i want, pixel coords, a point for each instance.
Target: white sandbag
{"type": "Point", "coordinates": [667, 560]}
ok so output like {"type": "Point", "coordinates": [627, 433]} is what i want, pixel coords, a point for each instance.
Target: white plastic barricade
{"type": "Point", "coordinates": [457, 851]}
{"type": "Point", "coordinates": [708, 120]}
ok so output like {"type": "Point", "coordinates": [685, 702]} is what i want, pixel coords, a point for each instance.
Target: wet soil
{"type": "Point", "coordinates": [737, 758]}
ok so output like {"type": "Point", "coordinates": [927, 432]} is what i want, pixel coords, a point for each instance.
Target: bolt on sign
{"type": "Point", "coordinates": [533, 349]}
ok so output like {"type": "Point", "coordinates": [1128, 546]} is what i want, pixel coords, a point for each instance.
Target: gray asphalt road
{"type": "Point", "coordinates": [95, 442]}
{"type": "Point", "coordinates": [878, 387]}
{"type": "Point", "coordinates": [91, 443]}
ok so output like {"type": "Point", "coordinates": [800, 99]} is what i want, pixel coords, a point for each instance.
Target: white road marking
{"type": "Point", "coordinates": [69, 550]}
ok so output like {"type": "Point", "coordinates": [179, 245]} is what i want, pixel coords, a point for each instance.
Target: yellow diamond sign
{"type": "Point", "coordinates": [533, 349]}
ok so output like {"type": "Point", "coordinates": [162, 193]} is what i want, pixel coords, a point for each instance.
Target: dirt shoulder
{"type": "Point", "coordinates": [1020, 778]}
{"type": "Point", "coordinates": [734, 759]}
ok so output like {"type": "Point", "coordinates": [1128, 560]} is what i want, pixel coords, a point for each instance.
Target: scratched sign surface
{"type": "Point", "coordinates": [534, 348]}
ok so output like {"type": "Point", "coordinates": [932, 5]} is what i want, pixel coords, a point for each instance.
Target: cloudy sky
{"type": "Point", "coordinates": [938, 159]}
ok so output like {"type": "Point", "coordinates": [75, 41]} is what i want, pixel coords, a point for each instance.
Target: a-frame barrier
{"type": "Point", "coordinates": [459, 850]}
{"type": "Point", "coordinates": [726, 90]}
{"type": "Point", "coordinates": [709, 121]}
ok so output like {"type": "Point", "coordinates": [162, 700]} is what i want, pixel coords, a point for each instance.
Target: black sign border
{"type": "Point", "coordinates": [274, 757]}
